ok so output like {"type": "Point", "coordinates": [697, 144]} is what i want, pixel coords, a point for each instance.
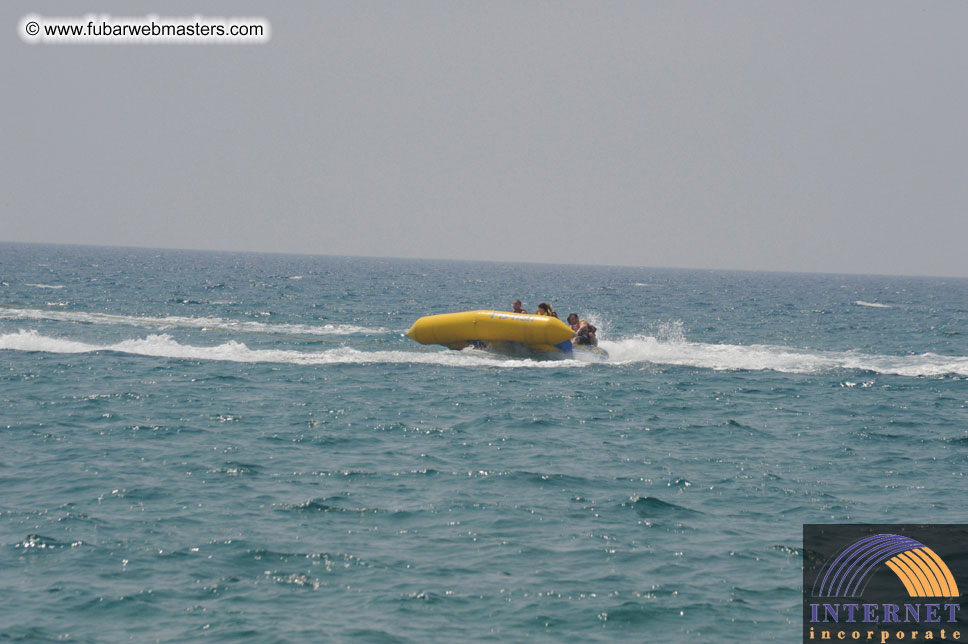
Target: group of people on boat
{"type": "Point", "coordinates": [584, 330]}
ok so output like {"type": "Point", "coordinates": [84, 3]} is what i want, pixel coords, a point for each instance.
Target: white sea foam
{"type": "Point", "coordinates": [53, 286]}
{"type": "Point", "coordinates": [634, 350]}
{"type": "Point", "coordinates": [758, 357]}
{"type": "Point", "coordinates": [873, 305]}
{"type": "Point", "coordinates": [222, 324]}
{"type": "Point", "coordinates": [163, 346]}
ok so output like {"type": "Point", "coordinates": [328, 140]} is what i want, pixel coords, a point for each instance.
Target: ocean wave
{"type": "Point", "coordinates": [221, 324]}
{"type": "Point", "coordinates": [759, 357]}
{"type": "Point", "coordinates": [163, 346]}
{"type": "Point", "coordinates": [873, 305]}
{"type": "Point", "coordinates": [650, 506]}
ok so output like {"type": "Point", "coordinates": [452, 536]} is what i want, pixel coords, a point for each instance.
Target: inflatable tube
{"type": "Point", "coordinates": [458, 330]}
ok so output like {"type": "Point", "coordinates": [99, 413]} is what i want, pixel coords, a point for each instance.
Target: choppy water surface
{"type": "Point", "coordinates": [239, 447]}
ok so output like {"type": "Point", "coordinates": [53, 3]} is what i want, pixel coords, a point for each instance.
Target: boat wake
{"type": "Point", "coordinates": [634, 350]}
{"type": "Point", "coordinates": [761, 357]}
{"type": "Point", "coordinates": [164, 346]}
{"type": "Point", "coordinates": [172, 321]}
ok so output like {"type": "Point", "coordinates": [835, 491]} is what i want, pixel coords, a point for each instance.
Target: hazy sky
{"type": "Point", "coordinates": [814, 135]}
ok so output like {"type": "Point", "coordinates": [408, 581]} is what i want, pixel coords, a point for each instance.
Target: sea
{"type": "Point", "coordinates": [237, 447]}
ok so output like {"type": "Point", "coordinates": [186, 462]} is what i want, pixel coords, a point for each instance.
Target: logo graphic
{"type": "Point", "coordinates": [884, 583]}
{"type": "Point", "coordinates": [919, 568]}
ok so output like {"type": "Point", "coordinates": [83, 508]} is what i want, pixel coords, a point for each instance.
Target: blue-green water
{"type": "Point", "coordinates": [244, 448]}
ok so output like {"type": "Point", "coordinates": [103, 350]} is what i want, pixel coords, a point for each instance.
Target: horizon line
{"type": "Point", "coordinates": [482, 261]}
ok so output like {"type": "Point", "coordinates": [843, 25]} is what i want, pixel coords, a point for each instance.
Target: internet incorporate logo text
{"type": "Point", "coordinates": [884, 583]}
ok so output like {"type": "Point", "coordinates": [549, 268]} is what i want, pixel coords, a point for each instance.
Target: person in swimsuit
{"type": "Point", "coordinates": [584, 330]}
{"type": "Point", "coordinates": [545, 309]}
{"type": "Point", "coordinates": [517, 307]}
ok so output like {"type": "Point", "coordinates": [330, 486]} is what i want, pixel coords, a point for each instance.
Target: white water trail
{"type": "Point", "coordinates": [163, 346]}
{"type": "Point", "coordinates": [221, 324]}
{"type": "Point", "coordinates": [759, 357]}
{"type": "Point", "coordinates": [627, 351]}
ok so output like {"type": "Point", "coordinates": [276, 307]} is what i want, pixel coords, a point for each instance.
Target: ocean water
{"type": "Point", "coordinates": [230, 447]}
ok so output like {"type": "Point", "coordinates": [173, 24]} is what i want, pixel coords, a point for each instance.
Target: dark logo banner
{"type": "Point", "coordinates": [884, 583]}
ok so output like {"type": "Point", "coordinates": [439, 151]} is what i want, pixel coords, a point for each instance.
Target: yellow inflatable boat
{"type": "Point", "coordinates": [487, 328]}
